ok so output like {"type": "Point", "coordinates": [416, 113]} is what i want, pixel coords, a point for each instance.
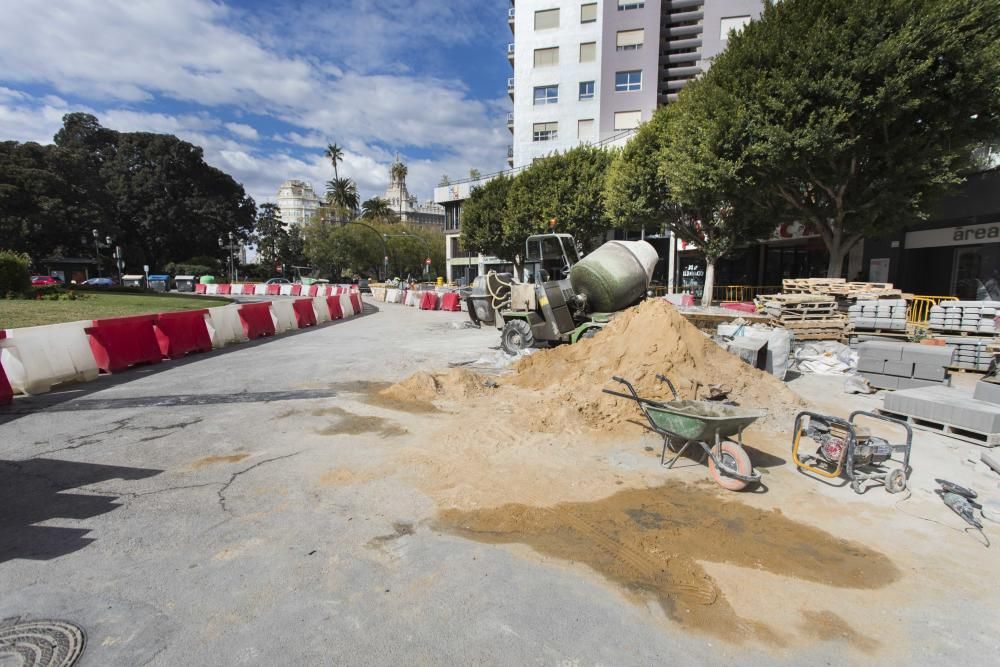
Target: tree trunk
{"type": "Point", "coordinates": [706, 296]}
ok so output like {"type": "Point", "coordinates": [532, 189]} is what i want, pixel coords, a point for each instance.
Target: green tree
{"type": "Point", "coordinates": [335, 154]}
{"type": "Point", "coordinates": [444, 181]}
{"type": "Point", "coordinates": [342, 194]}
{"type": "Point", "coordinates": [858, 114]}
{"type": "Point", "coordinates": [378, 208]}
{"type": "Point", "coordinates": [483, 216]}
{"type": "Point", "coordinates": [291, 248]}
{"type": "Point", "coordinates": [474, 174]}
{"type": "Point", "coordinates": [566, 189]}
{"type": "Point", "coordinates": [269, 234]}
{"type": "Point", "coordinates": [14, 277]}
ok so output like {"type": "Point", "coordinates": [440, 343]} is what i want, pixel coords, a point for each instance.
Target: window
{"type": "Point", "coordinates": [586, 90]}
{"type": "Point", "coordinates": [630, 4]}
{"type": "Point", "coordinates": [544, 131]}
{"type": "Point", "coordinates": [627, 81]}
{"type": "Point", "coordinates": [631, 40]}
{"type": "Point", "coordinates": [588, 52]}
{"type": "Point", "coordinates": [546, 94]}
{"type": "Point", "coordinates": [627, 120]}
{"type": "Point", "coordinates": [729, 23]}
{"type": "Point", "coordinates": [588, 13]}
{"type": "Point", "coordinates": [547, 18]}
{"type": "Point", "coordinates": [585, 128]}
{"type": "Point", "coordinates": [547, 57]}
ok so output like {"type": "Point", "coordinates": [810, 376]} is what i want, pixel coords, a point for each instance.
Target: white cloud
{"type": "Point", "coordinates": [242, 130]}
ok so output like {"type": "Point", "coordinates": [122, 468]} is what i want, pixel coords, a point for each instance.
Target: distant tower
{"type": "Point", "coordinates": [406, 206]}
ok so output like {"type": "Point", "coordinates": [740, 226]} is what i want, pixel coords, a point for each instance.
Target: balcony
{"type": "Point", "coordinates": [510, 88]}
{"type": "Point", "coordinates": [510, 52]}
{"type": "Point", "coordinates": [510, 19]}
{"type": "Point", "coordinates": [685, 17]}
{"type": "Point", "coordinates": [510, 121]}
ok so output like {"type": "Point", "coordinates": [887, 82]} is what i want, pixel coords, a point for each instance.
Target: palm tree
{"type": "Point", "coordinates": [336, 154]}
{"type": "Point", "coordinates": [377, 208]}
{"type": "Point", "coordinates": [343, 193]}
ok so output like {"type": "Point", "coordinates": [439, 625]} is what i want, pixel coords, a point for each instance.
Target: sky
{"type": "Point", "coordinates": [263, 86]}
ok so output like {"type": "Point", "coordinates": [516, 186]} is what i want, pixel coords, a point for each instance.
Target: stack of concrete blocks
{"type": "Point", "coordinates": [904, 365]}
{"type": "Point", "coordinates": [987, 389]}
{"type": "Point", "coordinates": [947, 411]}
{"type": "Point", "coordinates": [975, 317]}
{"type": "Point", "coordinates": [971, 352]}
{"type": "Point", "coordinates": [878, 314]}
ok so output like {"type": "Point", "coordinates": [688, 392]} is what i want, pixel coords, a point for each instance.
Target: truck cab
{"type": "Point", "coordinates": [549, 257]}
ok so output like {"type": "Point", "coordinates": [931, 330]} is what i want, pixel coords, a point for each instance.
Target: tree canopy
{"type": "Point", "coordinates": [153, 194]}
{"type": "Point", "coordinates": [854, 115]}
{"type": "Point", "coordinates": [482, 219]}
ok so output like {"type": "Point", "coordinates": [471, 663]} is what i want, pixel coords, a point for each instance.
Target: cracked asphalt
{"type": "Point", "coordinates": [215, 511]}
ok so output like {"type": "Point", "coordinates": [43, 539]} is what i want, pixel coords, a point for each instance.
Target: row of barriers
{"type": "Point", "coordinates": [423, 299]}
{"type": "Point", "coordinates": [34, 359]}
{"type": "Point", "coordinates": [276, 289]}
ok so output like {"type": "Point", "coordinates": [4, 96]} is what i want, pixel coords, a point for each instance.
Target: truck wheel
{"type": "Point", "coordinates": [516, 336]}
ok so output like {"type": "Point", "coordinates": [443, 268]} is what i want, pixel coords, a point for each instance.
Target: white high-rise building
{"type": "Point", "coordinates": [297, 202]}
{"type": "Point", "coordinates": [590, 71]}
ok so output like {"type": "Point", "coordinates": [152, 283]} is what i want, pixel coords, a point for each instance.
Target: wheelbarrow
{"type": "Point", "coordinates": [707, 424]}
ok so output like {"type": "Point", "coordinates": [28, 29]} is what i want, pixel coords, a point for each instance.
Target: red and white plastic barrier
{"type": "Point", "coordinates": [36, 358]}
{"type": "Point", "coordinates": [182, 332]}
{"type": "Point", "coordinates": [121, 342]}
{"type": "Point", "coordinates": [304, 314]}
{"type": "Point", "coordinates": [256, 320]}
{"type": "Point", "coordinates": [283, 315]}
{"type": "Point", "coordinates": [6, 392]}
{"type": "Point", "coordinates": [225, 327]}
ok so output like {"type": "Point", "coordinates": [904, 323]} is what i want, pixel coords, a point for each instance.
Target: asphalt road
{"type": "Point", "coordinates": [206, 513]}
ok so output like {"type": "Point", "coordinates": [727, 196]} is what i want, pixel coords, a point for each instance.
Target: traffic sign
{"type": "Point", "coordinates": [427, 261]}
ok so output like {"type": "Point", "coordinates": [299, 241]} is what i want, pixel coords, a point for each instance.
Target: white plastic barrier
{"type": "Point", "coordinates": [378, 293]}
{"type": "Point", "coordinates": [35, 358]}
{"type": "Point", "coordinates": [346, 306]}
{"type": "Point", "coordinates": [283, 314]}
{"type": "Point", "coordinates": [392, 295]}
{"type": "Point", "coordinates": [412, 298]}
{"type": "Point", "coordinates": [224, 325]}
{"type": "Point", "coordinates": [322, 309]}
{"type": "Point", "coordinates": [211, 288]}
{"type": "Point", "coordinates": [260, 289]}
{"type": "Point", "coordinates": [286, 289]}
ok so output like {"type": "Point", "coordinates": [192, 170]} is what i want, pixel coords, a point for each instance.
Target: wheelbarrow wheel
{"type": "Point", "coordinates": [733, 457]}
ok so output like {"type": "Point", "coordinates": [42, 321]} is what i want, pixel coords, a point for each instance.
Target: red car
{"type": "Point", "coordinates": [41, 281]}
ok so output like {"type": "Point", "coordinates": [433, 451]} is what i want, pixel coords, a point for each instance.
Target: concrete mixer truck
{"type": "Point", "coordinates": [563, 298]}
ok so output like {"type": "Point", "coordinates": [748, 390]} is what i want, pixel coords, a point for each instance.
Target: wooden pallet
{"type": "Point", "coordinates": [837, 336]}
{"type": "Point", "coordinates": [830, 323]}
{"type": "Point", "coordinates": [950, 430]}
{"type": "Point", "coordinates": [970, 334]}
{"type": "Point", "coordinates": [881, 332]}
{"type": "Point", "coordinates": [962, 369]}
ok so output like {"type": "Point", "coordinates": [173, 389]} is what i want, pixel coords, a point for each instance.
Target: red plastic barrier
{"type": "Point", "coordinates": [451, 301]}
{"type": "Point", "coordinates": [120, 342]}
{"type": "Point", "coordinates": [6, 393]}
{"type": "Point", "coordinates": [296, 290]}
{"type": "Point", "coordinates": [273, 290]}
{"type": "Point", "coordinates": [248, 288]}
{"type": "Point", "coordinates": [428, 301]}
{"type": "Point", "coordinates": [182, 333]}
{"type": "Point", "coordinates": [333, 303]}
{"type": "Point", "coordinates": [200, 289]}
{"type": "Point", "coordinates": [305, 316]}
{"type": "Point", "coordinates": [256, 319]}
{"type": "Point", "coordinates": [356, 303]}
{"type": "Point", "coordinates": [313, 291]}
{"type": "Point", "coordinates": [225, 288]}
{"type": "Point", "coordinates": [742, 306]}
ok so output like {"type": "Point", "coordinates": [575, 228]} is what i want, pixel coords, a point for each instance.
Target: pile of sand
{"type": "Point", "coordinates": [559, 389]}
{"type": "Point", "coordinates": [650, 339]}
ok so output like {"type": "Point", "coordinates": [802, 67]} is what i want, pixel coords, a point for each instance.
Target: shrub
{"type": "Point", "coordinates": [15, 278]}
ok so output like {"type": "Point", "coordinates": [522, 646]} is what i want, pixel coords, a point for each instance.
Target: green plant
{"type": "Point", "coordinates": [14, 276]}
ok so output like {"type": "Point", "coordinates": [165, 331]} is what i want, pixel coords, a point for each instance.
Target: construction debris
{"type": "Point", "coordinates": [840, 288]}
{"type": "Point", "coordinates": [807, 316]}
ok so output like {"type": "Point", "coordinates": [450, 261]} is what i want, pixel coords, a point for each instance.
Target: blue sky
{"type": "Point", "coordinates": [264, 86]}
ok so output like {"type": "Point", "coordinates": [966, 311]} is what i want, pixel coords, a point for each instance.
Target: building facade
{"type": "Point", "coordinates": [297, 202]}
{"type": "Point", "coordinates": [461, 264]}
{"type": "Point", "coordinates": [588, 71]}
{"type": "Point", "coordinates": [406, 206]}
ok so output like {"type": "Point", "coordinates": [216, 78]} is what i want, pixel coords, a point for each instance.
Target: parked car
{"type": "Point", "coordinates": [99, 282]}
{"type": "Point", "coordinates": [278, 281]}
{"type": "Point", "coordinates": [42, 281]}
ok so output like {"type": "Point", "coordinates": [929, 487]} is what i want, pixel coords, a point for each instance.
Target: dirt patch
{"type": "Point", "coordinates": [422, 388]}
{"type": "Point", "coordinates": [827, 626]}
{"type": "Point", "coordinates": [348, 423]}
{"type": "Point", "coordinates": [400, 529]}
{"type": "Point", "coordinates": [650, 542]}
{"type": "Point", "coordinates": [215, 460]}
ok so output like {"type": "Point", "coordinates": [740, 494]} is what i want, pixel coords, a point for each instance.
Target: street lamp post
{"type": "Point", "coordinates": [97, 250]}
{"type": "Point", "coordinates": [405, 235]}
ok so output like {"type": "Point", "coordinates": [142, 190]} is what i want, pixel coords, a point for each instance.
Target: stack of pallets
{"type": "Point", "coordinates": [807, 316]}
{"type": "Point", "coordinates": [840, 288]}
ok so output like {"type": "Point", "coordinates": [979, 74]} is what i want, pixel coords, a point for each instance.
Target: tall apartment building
{"type": "Point", "coordinates": [297, 202]}
{"type": "Point", "coordinates": [588, 71]}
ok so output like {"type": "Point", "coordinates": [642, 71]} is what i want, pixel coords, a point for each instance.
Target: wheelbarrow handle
{"type": "Point", "coordinates": [664, 378]}
{"type": "Point", "coordinates": [628, 384]}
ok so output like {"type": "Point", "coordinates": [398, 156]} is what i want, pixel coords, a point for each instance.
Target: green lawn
{"type": "Point", "coordinates": [24, 313]}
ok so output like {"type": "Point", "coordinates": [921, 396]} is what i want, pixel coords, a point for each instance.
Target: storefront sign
{"type": "Point", "coordinates": [952, 236]}
{"type": "Point", "coordinates": [793, 230]}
